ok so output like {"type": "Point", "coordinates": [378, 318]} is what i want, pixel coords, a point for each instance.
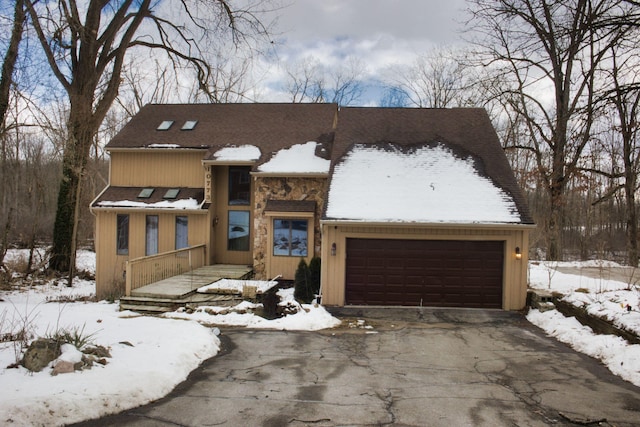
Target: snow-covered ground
{"type": "Point", "coordinates": [150, 355]}
{"type": "Point", "coordinates": [604, 289]}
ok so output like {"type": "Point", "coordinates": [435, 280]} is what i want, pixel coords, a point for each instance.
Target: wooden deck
{"type": "Point", "coordinates": [173, 292]}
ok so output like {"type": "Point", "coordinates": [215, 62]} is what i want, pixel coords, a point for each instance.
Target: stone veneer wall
{"type": "Point", "coordinates": [283, 189]}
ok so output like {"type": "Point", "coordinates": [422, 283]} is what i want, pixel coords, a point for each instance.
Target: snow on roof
{"type": "Point", "coordinates": [189, 203]}
{"type": "Point", "coordinates": [429, 184]}
{"type": "Point", "coordinates": [163, 146]}
{"type": "Point", "coordinates": [238, 154]}
{"type": "Point", "coordinates": [300, 158]}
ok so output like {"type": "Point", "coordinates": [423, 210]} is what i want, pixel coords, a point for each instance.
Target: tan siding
{"type": "Point", "coordinates": [162, 169]}
{"type": "Point", "coordinates": [286, 266]}
{"type": "Point", "coordinates": [334, 266]}
{"type": "Point", "coordinates": [110, 267]}
{"type": "Point", "coordinates": [222, 208]}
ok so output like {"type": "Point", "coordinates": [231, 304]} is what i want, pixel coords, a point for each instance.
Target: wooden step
{"type": "Point", "coordinates": [147, 309]}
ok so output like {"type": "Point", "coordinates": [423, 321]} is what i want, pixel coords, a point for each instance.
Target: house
{"type": "Point", "coordinates": [404, 206]}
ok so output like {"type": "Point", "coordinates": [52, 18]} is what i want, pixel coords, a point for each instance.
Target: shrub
{"type": "Point", "coordinates": [74, 335]}
{"type": "Point", "coordinates": [302, 283]}
{"type": "Point", "coordinates": [314, 274]}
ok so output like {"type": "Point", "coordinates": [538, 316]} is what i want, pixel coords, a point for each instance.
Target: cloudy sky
{"type": "Point", "coordinates": [377, 32]}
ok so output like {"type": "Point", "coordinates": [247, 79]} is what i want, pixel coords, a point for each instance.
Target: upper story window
{"type": "Point", "coordinates": [239, 185]}
{"type": "Point", "coordinates": [189, 125]}
{"type": "Point", "coordinates": [145, 193]}
{"type": "Point", "coordinates": [165, 125]}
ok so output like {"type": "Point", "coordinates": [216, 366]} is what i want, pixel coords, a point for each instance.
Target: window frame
{"type": "Point", "coordinates": [122, 234]}
{"type": "Point", "coordinates": [181, 232]}
{"type": "Point", "coordinates": [151, 235]}
{"type": "Point", "coordinates": [276, 237]}
{"type": "Point", "coordinates": [236, 189]}
{"type": "Point", "coordinates": [230, 246]}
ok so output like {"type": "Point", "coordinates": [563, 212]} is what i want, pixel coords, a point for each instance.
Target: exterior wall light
{"type": "Point", "coordinates": [333, 249]}
{"type": "Point", "coordinates": [518, 253]}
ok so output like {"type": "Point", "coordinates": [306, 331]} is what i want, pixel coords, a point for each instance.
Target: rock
{"type": "Point", "coordinates": [63, 367]}
{"type": "Point", "coordinates": [40, 353]}
{"type": "Point", "coordinates": [98, 351]}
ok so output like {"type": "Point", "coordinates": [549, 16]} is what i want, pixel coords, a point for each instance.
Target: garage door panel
{"type": "Point", "coordinates": [431, 273]}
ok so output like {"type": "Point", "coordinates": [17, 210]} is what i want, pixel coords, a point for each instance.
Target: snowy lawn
{"type": "Point", "coordinates": [150, 355]}
{"type": "Point", "coordinates": [605, 289]}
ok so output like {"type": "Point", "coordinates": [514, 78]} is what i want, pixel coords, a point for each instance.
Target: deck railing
{"type": "Point", "coordinates": [149, 269]}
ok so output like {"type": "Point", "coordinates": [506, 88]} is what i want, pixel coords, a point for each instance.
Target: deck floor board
{"type": "Point", "coordinates": [182, 285]}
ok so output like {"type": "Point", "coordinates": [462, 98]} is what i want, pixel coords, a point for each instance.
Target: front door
{"type": "Point", "coordinates": [233, 203]}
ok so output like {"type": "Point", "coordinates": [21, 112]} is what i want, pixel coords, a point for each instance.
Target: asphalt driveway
{"type": "Point", "coordinates": [416, 367]}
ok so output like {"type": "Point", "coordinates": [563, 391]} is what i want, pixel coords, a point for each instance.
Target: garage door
{"type": "Point", "coordinates": [438, 273]}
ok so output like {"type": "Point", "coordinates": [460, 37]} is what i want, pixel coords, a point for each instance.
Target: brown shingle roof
{"type": "Point", "coordinates": [121, 194]}
{"type": "Point", "coordinates": [270, 127]}
{"type": "Point", "coordinates": [464, 130]}
{"type": "Point", "coordinates": [290, 206]}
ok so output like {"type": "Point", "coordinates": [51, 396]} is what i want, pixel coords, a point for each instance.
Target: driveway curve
{"type": "Point", "coordinates": [402, 367]}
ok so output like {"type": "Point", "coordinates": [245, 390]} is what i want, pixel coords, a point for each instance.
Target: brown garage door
{"type": "Point", "coordinates": [439, 273]}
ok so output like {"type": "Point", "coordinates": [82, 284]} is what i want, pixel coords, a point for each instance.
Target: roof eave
{"type": "Point", "coordinates": [439, 224]}
{"type": "Point", "coordinates": [158, 149]}
{"type": "Point", "coordinates": [134, 209]}
{"type": "Point", "coordinates": [209, 162]}
{"type": "Point", "coordinates": [291, 174]}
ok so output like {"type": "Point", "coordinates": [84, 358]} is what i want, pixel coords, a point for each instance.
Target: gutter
{"type": "Point", "coordinates": [404, 224]}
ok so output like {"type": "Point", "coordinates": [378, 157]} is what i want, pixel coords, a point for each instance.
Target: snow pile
{"type": "Point", "coordinates": [429, 184]}
{"type": "Point", "coordinates": [243, 153]}
{"type": "Point", "coordinates": [604, 289]}
{"type": "Point", "coordinates": [617, 354]}
{"type": "Point", "coordinates": [150, 355]}
{"type": "Point", "coordinates": [308, 317]}
{"type": "Point", "coordinates": [549, 275]}
{"type": "Point", "coordinates": [300, 158]}
{"type": "Point", "coordinates": [236, 286]}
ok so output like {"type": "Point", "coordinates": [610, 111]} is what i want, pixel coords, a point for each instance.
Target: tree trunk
{"type": "Point", "coordinates": [75, 157]}
{"type": "Point", "coordinates": [63, 227]}
{"type": "Point", "coordinates": [555, 224]}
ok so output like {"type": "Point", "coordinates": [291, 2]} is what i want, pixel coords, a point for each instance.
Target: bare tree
{"type": "Point", "coordinates": [549, 47]}
{"type": "Point", "coordinates": [309, 81]}
{"type": "Point", "coordinates": [86, 46]}
{"type": "Point", "coordinates": [6, 80]}
{"type": "Point", "coordinates": [623, 99]}
{"type": "Point", "coordinates": [433, 80]}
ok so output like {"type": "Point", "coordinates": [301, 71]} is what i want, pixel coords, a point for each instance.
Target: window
{"type": "Point", "coordinates": [239, 185]}
{"type": "Point", "coordinates": [145, 193]}
{"type": "Point", "coordinates": [122, 234]}
{"type": "Point", "coordinates": [238, 234]}
{"type": "Point", "coordinates": [151, 247]}
{"type": "Point", "coordinates": [290, 237]}
{"type": "Point", "coordinates": [189, 125]}
{"type": "Point", "coordinates": [171, 193]}
{"type": "Point", "coordinates": [165, 125]}
{"type": "Point", "coordinates": [182, 232]}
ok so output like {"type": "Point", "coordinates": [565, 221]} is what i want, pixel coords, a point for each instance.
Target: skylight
{"type": "Point", "coordinates": [145, 193]}
{"type": "Point", "coordinates": [171, 193]}
{"type": "Point", "coordinates": [189, 125]}
{"type": "Point", "coordinates": [165, 125]}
